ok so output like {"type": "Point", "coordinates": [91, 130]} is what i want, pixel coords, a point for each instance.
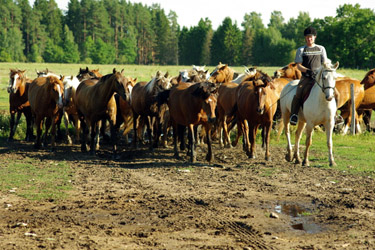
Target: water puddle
{"type": "Point", "coordinates": [301, 218]}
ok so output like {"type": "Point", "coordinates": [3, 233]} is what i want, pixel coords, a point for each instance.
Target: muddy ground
{"type": "Point", "coordinates": [149, 200]}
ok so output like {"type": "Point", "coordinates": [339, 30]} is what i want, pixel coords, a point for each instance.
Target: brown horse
{"type": "Point", "coordinates": [256, 106]}
{"type": "Point", "coordinates": [46, 100]}
{"type": "Point", "coordinates": [344, 100]}
{"type": "Point", "coordinates": [191, 104]}
{"type": "Point", "coordinates": [222, 73]}
{"type": "Point", "coordinates": [95, 101]}
{"type": "Point", "coordinates": [124, 110]}
{"type": "Point", "coordinates": [290, 71]}
{"type": "Point", "coordinates": [368, 101]}
{"type": "Point", "coordinates": [144, 104]}
{"type": "Point", "coordinates": [19, 102]}
{"type": "Point", "coordinates": [226, 101]}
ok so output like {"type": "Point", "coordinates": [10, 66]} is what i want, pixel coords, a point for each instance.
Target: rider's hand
{"type": "Point", "coordinates": [310, 73]}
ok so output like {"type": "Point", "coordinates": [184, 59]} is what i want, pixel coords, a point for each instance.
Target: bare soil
{"type": "Point", "coordinates": [149, 200]}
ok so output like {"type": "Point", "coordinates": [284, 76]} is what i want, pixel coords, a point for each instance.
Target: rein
{"type": "Point", "coordinates": [322, 87]}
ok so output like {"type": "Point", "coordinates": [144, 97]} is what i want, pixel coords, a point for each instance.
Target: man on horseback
{"type": "Point", "coordinates": [309, 58]}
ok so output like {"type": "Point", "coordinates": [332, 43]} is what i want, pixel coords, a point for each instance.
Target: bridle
{"type": "Point", "coordinates": [323, 87]}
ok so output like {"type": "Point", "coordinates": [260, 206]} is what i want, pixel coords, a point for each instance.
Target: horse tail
{"type": "Point", "coordinates": [162, 97]}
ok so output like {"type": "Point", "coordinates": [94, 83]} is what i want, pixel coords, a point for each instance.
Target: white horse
{"type": "Point", "coordinates": [70, 86]}
{"type": "Point", "coordinates": [319, 108]}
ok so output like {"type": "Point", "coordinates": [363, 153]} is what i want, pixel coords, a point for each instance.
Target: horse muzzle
{"type": "Point", "coordinates": [260, 111]}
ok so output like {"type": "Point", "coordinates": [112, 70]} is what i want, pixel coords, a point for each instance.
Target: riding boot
{"type": "Point", "coordinates": [295, 105]}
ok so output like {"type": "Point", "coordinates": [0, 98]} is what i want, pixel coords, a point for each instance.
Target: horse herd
{"type": "Point", "coordinates": [215, 102]}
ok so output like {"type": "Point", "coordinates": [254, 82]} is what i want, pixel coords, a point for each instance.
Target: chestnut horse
{"type": "Point", "coordinates": [256, 104]}
{"type": "Point", "coordinates": [19, 102]}
{"type": "Point", "coordinates": [95, 101]}
{"type": "Point", "coordinates": [46, 100]}
{"type": "Point", "coordinates": [85, 74]}
{"type": "Point", "coordinates": [368, 102]}
{"type": "Point", "coordinates": [344, 100]}
{"type": "Point", "coordinates": [319, 108]}
{"type": "Point", "coordinates": [225, 103]}
{"type": "Point", "coordinates": [191, 104]}
{"type": "Point", "coordinates": [144, 104]}
{"type": "Point", "coordinates": [222, 73]}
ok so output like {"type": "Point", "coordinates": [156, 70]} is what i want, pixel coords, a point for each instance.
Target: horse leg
{"type": "Point", "coordinates": [175, 134]}
{"type": "Point", "coordinates": [238, 135]}
{"type": "Point", "coordinates": [149, 130]}
{"type": "Point", "coordinates": [85, 131]}
{"type": "Point", "coordinates": [112, 124]}
{"type": "Point", "coordinates": [53, 132]}
{"type": "Point", "coordinates": [29, 126]}
{"type": "Point", "coordinates": [226, 133]}
{"type": "Point", "coordinates": [12, 126]}
{"type": "Point", "coordinates": [245, 137]}
{"type": "Point", "coordinates": [135, 125]}
{"type": "Point", "coordinates": [285, 121]}
{"type": "Point", "coordinates": [191, 142]}
{"type": "Point", "coordinates": [309, 130]}
{"type": "Point", "coordinates": [209, 156]}
{"type": "Point", "coordinates": [267, 129]}
{"type": "Point", "coordinates": [94, 134]}
{"type": "Point", "coordinates": [66, 123]}
{"type": "Point", "coordinates": [47, 125]}
{"type": "Point", "coordinates": [329, 131]}
{"type": "Point", "coordinates": [39, 124]}
{"type": "Point", "coordinates": [181, 136]}
{"type": "Point", "coordinates": [252, 131]}
{"type": "Point", "coordinates": [77, 125]}
{"type": "Point", "coordinates": [300, 127]}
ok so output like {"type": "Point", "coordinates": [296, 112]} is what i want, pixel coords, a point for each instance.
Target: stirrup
{"type": "Point", "coordinates": [293, 120]}
{"type": "Point", "coordinates": [339, 120]}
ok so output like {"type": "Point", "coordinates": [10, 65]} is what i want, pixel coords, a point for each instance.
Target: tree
{"type": "Point", "coordinates": [226, 44]}
{"type": "Point", "coordinates": [127, 50]}
{"type": "Point", "coordinates": [276, 20]}
{"type": "Point", "coordinates": [70, 48]}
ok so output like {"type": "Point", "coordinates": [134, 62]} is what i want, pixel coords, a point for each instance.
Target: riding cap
{"type": "Point", "coordinates": [309, 31]}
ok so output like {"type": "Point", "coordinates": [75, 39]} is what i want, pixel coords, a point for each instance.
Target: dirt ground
{"type": "Point", "coordinates": [149, 200]}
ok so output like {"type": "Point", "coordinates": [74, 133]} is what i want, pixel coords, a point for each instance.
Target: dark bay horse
{"type": "Point", "coordinates": [145, 106]}
{"type": "Point", "coordinates": [191, 104]}
{"type": "Point", "coordinates": [256, 106]}
{"type": "Point", "coordinates": [46, 101]}
{"type": "Point", "coordinates": [95, 101]}
{"type": "Point", "coordinates": [19, 102]}
{"type": "Point", "coordinates": [85, 74]}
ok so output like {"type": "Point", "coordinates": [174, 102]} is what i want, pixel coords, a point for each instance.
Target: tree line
{"type": "Point", "coordinates": [120, 32]}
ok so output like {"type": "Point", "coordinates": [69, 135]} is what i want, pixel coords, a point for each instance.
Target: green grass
{"type": "Point", "coordinates": [32, 180]}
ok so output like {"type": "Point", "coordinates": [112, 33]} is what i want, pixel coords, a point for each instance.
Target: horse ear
{"type": "Point", "coordinates": [166, 74]}
{"type": "Point", "coordinates": [336, 65]}
{"type": "Point", "coordinates": [179, 78]}
{"type": "Point", "coordinates": [122, 71]}
{"type": "Point", "coordinates": [158, 74]}
{"type": "Point", "coordinates": [114, 71]}
{"type": "Point", "coordinates": [62, 78]}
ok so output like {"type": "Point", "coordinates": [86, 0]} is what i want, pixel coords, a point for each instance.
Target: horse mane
{"type": "Point", "coordinates": [258, 75]}
{"type": "Point", "coordinates": [150, 85]}
{"type": "Point", "coordinates": [203, 89]}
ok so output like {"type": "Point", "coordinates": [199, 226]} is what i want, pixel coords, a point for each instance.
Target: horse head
{"type": "Point", "coordinates": [159, 83]}
{"type": "Point", "coordinates": [56, 87]}
{"type": "Point", "coordinates": [222, 73]}
{"type": "Point", "coordinates": [16, 79]}
{"type": "Point", "coordinates": [85, 74]}
{"type": "Point", "coordinates": [289, 71]}
{"type": "Point", "coordinates": [260, 93]}
{"type": "Point", "coordinates": [326, 79]}
{"type": "Point", "coordinates": [70, 85]}
{"type": "Point", "coordinates": [369, 79]}
{"type": "Point", "coordinates": [121, 84]}
{"type": "Point", "coordinates": [206, 91]}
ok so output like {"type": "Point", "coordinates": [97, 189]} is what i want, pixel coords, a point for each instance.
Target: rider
{"type": "Point", "coordinates": [308, 58]}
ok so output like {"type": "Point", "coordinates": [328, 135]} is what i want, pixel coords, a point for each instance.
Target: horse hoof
{"type": "Point", "coordinates": [306, 163]}
{"type": "Point", "coordinates": [37, 146]}
{"type": "Point", "coordinates": [92, 152]}
{"type": "Point", "coordinates": [332, 164]}
{"type": "Point", "coordinates": [209, 158]}
{"type": "Point", "coordinates": [288, 158]}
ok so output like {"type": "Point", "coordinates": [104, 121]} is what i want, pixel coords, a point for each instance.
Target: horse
{"type": "Point", "coordinates": [95, 101]}
{"type": "Point", "coordinates": [124, 110]}
{"type": "Point", "coordinates": [368, 102]}
{"type": "Point", "coordinates": [19, 103]}
{"type": "Point", "coordinates": [85, 74]}
{"type": "Point", "coordinates": [191, 104]}
{"type": "Point", "coordinates": [222, 73]}
{"type": "Point", "coordinates": [70, 111]}
{"type": "Point", "coordinates": [344, 100]}
{"type": "Point", "coordinates": [46, 100]}
{"type": "Point", "coordinates": [144, 105]}
{"type": "Point", "coordinates": [290, 71]}
{"type": "Point", "coordinates": [225, 103]}
{"type": "Point", "coordinates": [256, 104]}
{"type": "Point", "coordinates": [319, 108]}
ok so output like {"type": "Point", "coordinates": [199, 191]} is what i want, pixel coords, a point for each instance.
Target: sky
{"type": "Point", "coordinates": [190, 12]}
